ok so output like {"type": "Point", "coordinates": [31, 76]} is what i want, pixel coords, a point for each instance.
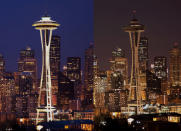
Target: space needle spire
{"type": "Point", "coordinates": [134, 30]}
{"type": "Point", "coordinates": [45, 110]}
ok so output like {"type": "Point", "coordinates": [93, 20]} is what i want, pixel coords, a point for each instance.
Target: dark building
{"type": "Point", "coordinates": [160, 67]}
{"type": "Point", "coordinates": [73, 72]}
{"type": "Point", "coordinates": [65, 92]}
{"type": "Point", "coordinates": [89, 76]}
{"type": "Point", "coordinates": [7, 93]}
{"type": "Point", "coordinates": [7, 89]}
{"type": "Point", "coordinates": [26, 84]}
{"type": "Point", "coordinates": [115, 99]}
{"type": "Point", "coordinates": [153, 86]}
{"type": "Point", "coordinates": [74, 69]}
{"type": "Point", "coordinates": [119, 69]}
{"type": "Point", "coordinates": [175, 66]}
{"type": "Point", "coordinates": [143, 53]}
{"type": "Point", "coordinates": [88, 68]}
{"type": "Point", "coordinates": [55, 57]}
{"type": "Point", "coordinates": [26, 99]}
{"type": "Point", "coordinates": [116, 95]}
{"type": "Point", "coordinates": [117, 80]}
{"type": "Point", "coordinates": [160, 70]}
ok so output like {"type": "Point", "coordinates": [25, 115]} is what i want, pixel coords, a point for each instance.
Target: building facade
{"type": "Point", "coordinates": [27, 63]}
{"type": "Point", "coordinates": [89, 76]}
{"type": "Point", "coordinates": [175, 66]}
{"type": "Point", "coordinates": [55, 58]}
{"type": "Point", "coordinates": [161, 71]}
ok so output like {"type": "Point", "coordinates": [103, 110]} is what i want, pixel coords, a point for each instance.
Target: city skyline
{"type": "Point", "coordinates": [121, 38]}
{"type": "Point", "coordinates": [161, 20]}
{"type": "Point", "coordinates": [104, 65]}
{"type": "Point", "coordinates": [76, 18]}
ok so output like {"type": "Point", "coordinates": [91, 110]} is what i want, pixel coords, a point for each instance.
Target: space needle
{"type": "Point", "coordinates": [134, 30]}
{"type": "Point", "coordinates": [45, 110]}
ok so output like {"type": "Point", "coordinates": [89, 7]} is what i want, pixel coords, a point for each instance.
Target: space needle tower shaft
{"type": "Point", "coordinates": [46, 27]}
{"type": "Point", "coordinates": [134, 30]}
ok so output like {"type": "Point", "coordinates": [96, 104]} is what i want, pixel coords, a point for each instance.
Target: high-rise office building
{"type": "Point", "coordinates": [73, 70]}
{"type": "Point", "coordinates": [175, 71]}
{"type": "Point", "coordinates": [160, 70]}
{"type": "Point", "coordinates": [65, 92]}
{"type": "Point", "coordinates": [116, 99]}
{"type": "Point", "coordinates": [175, 66]}
{"type": "Point", "coordinates": [26, 98]}
{"type": "Point", "coordinates": [153, 87]}
{"type": "Point", "coordinates": [143, 63]}
{"type": "Point", "coordinates": [26, 84]}
{"type": "Point", "coordinates": [100, 87]}
{"type": "Point", "coordinates": [143, 54]}
{"type": "Point", "coordinates": [55, 61]}
{"type": "Point", "coordinates": [27, 63]}
{"type": "Point", "coordinates": [88, 68]}
{"type": "Point", "coordinates": [7, 89]}
{"type": "Point", "coordinates": [116, 96]}
{"type": "Point", "coordinates": [55, 66]}
{"type": "Point", "coordinates": [119, 68]}
{"type": "Point", "coordinates": [89, 75]}
{"type": "Point", "coordinates": [73, 73]}
{"type": "Point", "coordinates": [160, 67]}
{"type": "Point", "coordinates": [7, 93]}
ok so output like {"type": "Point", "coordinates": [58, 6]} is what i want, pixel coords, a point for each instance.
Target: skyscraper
{"type": "Point", "coordinates": [89, 75]}
{"type": "Point", "coordinates": [100, 87]}
{"type": "Point", "coordinates": [160, 70]}
{"type": "Point", "coordinates": [7, 89]}
{"type": "Point", "coordinates": [143, 54]}
{"type": "Point", "coordinates": [160, 67]}
{"type": "Point", "coordinates": [119, 68]}
{"type": "Point", "coordinates": [26, 98]}
{"type": "Point", "coordinates": [74, 69]}
{"type": "Point", "coordinates": [175, 66]}
{"type": "Point", "coordinates": [143, 64]}
{"type": "Point", "coordinates": [153, 87]}
{"type": "Point", "coordinates": [55, 66]}
{"type": "Point", "coordinates": [55, 57]}
{"type": "Point", "coordinates": [7, 93]}
{"type": "Point", "coordinates": [116, 96]}
{"type": "Point", "coordinates": [65, 92]}
{"type": "Point", "coordinates": [175, 71]}
{"type": "Point", "coordinates": [27, 63]}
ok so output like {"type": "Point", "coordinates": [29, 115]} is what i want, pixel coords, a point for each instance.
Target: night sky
{"type": "Point", "coordinates": [162, 20]}
{"type": "Point", "coordinates": [17, 17]}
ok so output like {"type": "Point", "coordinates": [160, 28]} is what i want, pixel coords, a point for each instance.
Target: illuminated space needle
{"type": "Point", "coordinates": [45, 110]}
{"type": "Point", "coordinates": [135, 93]}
